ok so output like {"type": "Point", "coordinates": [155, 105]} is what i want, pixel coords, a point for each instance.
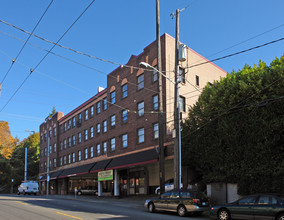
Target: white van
{"type": "Point", "coordinates": [28, 187]}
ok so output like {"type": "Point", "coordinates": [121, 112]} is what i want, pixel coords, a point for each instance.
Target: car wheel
{"type": "Point", "coordinates": [151, 207]}
{"type": "Point", "coordinates": [224, 214]}
{"type": "Point", "coordinates": [280, 217]}
{"type": "Point", "coordinates": [158, 192]}
{"type": "Point", "coordinates": [181, 211]}
{"type": "Point", "coordinates": [79, 193]}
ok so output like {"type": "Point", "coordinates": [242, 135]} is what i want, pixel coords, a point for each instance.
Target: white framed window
{"type": "Point", "coordinates": [86, 134]}
{"type": "Point", "coordinates": [91, 151]}
{"type": "Point", "coordinates": [105, 126]}
{"type": "Point", "coordinates": [181, 75]}
{"type": "Point", "coordinates": [140, 109]}
{"type": "Point", "coordinates": [98, 107]}
{"type": "Point", "coordinates": [98, 149]}
{"type": "Point", "coordinates": [54, 162]}
{"type": "Point", "coordinates": [54, 131]}
{"type": "Point", "coordinates": [73, 157]}
{"type": "Point", "coordinates": [54, 148]}
{"type": "Point", "coordinates": [112, 121]}
{"type": "Point", "coordinates": [86, 153]}
{"type": "Point", "coordinates": [140, 82]}
{"type": "Point", "coordinates": [105, 147]}
{"type": "Point", "coordinates": [64, 159]}
{"type": "Point", "coordinates": [124, 116]}
{"type": "Point", "coordinates": [112, 144]}
{"type": "Point", "coordinates": [80, 117]}
{"type": "Point", "coordinates": [69, 158]}
{"type": "Point", "coordinates": [79, 155]}
{"type": "Point", "coordinates": [86, 114]}
{"type": "Point", "coordinates": [92, 111]}
{"type": "Point", "coordinates": [74, 139]}
{"type": "Point", "coordinates": [141, 135]}
{"type": "Point", "coordinates": [155, 102]}
{"type": "Point", "coordinates": [64, 144]}
{"type": "Point", "coordinates": [105, 104]}
{"type": "Point", "coordinates": [156, 131]}
{"type": "Point", "coordinates": [61, 161]}
{"type": "Point", "coordinates": [98, 128]}
{"type": "Point", "coordinates": [112, 97]}
{"type": "Point", "coordinates": [124, 91]}
{"type": "Point", "coordinates": [92, 132]}
{"type": "Point", "coordinates": [50, 133]}
{"type": "Point", "coordinates": [79, 137]}
{"type": "Point", "coordinates": [74, 122]}
{"type": "Point", "coordinates": [124, 140]}
{"type": "Point", "coordinates": [65, 126]}
{"type": "Point", "coordinates": [182, 103]}
{"type": "Point", "coordinates": [69, 124]}
{"type": "Point", "coordinates": [69, 142]}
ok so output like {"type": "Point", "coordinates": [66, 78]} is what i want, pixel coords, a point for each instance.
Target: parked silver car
{"type": "Point", "coordinates": [181, 201]}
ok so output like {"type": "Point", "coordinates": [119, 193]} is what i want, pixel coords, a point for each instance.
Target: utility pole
{"type": "Point", "coordinates": [177, 148]}
{"type": "Point", "coordinates": [26, 159]}
{"type": "Point", "coordinates": [47, 171]}
{"type": "Point", "coordinates": [161, 109]}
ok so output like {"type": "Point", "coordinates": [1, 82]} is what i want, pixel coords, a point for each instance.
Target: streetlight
{"type": "Point", "coordinates": [177, 123]}
{"type": "Point", "coordinates": [26, 158]}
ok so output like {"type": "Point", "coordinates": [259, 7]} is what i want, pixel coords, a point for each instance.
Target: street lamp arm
{"type": "Point", "coordinates": [147, 65]}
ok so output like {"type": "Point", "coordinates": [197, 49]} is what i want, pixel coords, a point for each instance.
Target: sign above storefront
{"type": "Point", "coordinates": [105, 175]}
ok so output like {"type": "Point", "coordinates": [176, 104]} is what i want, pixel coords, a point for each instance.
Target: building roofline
{"type": "Point", "coordinates": [83, 105]}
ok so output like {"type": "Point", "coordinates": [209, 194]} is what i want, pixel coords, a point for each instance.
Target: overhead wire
{"type": "Point", "coordinates": [33, 69]}
{"type": "Point", "coordinates": [13, 60]}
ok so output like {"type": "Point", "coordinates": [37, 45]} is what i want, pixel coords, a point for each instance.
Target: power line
{"type": "Point", "coordinates": [31, 70]}
{"type": "Point", "coordinates": [13, 60]}
{"type": "Point", "coordinates": [233, 54]}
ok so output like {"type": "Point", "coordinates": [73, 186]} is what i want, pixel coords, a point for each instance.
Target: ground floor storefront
{"type": "Point", "coordinates": [130, 175]}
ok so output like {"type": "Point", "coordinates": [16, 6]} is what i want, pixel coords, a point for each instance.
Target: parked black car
{"type": "Point", "coordinates": [88, 190]}
{"type": "Point", "coordinates": [181, 201]}
{"type": "Point", "coordinates": [261, 206]}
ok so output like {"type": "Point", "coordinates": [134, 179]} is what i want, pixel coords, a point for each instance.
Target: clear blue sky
{"type": "Point", "coordinates": [114, 30]}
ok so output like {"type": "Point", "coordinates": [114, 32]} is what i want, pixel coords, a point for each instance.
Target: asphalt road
{"type": "Point", "coordinates": [13, 207]}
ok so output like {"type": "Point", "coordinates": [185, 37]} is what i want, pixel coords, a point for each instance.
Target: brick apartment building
{"type": "Point", "coordinates": [110, 140]}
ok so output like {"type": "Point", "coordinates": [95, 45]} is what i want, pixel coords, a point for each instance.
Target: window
{"type": "Point", "coordinates": [140, 135]}
{"type": "Point", "coordinates": [50, 133]}
{"type": "Point", "coordinates": [45, 151]}
{"type": "Point", "coordinates": [98, 107]}
{"type": "Point", "coordinates": [69, 124]}
{"type": "Point", "coordinates": [54, 132]}
{"type": "Point", "coordinates": [105, 104]}
{"type": "Point", "coordinates": [92, 132]}
{"type": "Point", "coordinates": [105, 126]}
{"type": "Point", "coordinates": [61, 161]}
{"type": "Point", "coordinates": [74, 122]}
{"type": "Point", "coordinates": [112, 144]}
{"type": "Point", "coordinates": [54, 162]}
{"type": "Point", "coordinates": [124, 116]}
{"type": "Point", "coordinates": [74, 139]}
{"type": "Point", "coordinates": [69, 158]}
{"type": "Point", "coordinates": [79, 155]}
{"type": "Point", "coordinates": [98, 149]}
{"type": "Point", "coordinates": [54, 148]}
{"type": "Point", "coordinates": [98, 128]}
{"type": "Point", "coordinates": [64, 144]}
{"type": "Point", "coordinates": [155, 102]}
{"type": "Point", "coordinates": [156, 130]}
{"type": "Point", "coordinates": [80, 118]}
{"type": "Point", "coordinates": [181, 76]}
{"type": "Point", "coordinates": [124, 140]}
{"type": "Point", "coordinates": [140, 82]}
{"type": "Point", "coordinates": [61, 145]}
{"type": "Point", "coordinates": [92, 111]}
{"type": "Point", "coordinates": [64, 159]}
{"type": "Point", "coordinates": [197, 80]}
{"type": "Point", "coordinates": [50, 149]}
{"type": "Point", "coordinates": [86, 114]}
{"type": "Point", "coordinates": [124, 91]}
{"type": "Point", "coordinates": [247, 201]}
{"type": "Point", "coordinates": [140, 109]}
{"type": "Point", "coordinates": [65, 126]}
{"type": "Point", "coordinates": [79, 137]}
{"type": "Point", "coordinates": [182, 103]}
{"type": "Point", "coordinates": [155, 75]}
{"type": "Point", "coordinates": [91, 151]}
{"type": "Point", "coordinates": [73, 157]}
{"type": "Point", "coordinates": [69, 142]}
{"type": "Point", "coordinates": [86, 134]}
{"type": "Point", "coordinates": [112, 121]}
{"type": "Point", "coordinates": [86, 153]}
{"type": "Point", "coordinates": [105, 147]}
{"type": "Point", "coordinates": [112, 97]}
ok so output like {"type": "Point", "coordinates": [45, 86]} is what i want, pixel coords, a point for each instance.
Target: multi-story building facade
{"type": "Point", "coordinates": [111, 140]}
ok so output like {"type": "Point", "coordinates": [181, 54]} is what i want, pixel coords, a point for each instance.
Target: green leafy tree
{"type": "Point", "coordinates": [234, 133]}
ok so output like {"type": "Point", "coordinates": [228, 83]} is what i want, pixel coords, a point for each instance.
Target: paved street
{"type": "Point", "coordinates": [67, 207]}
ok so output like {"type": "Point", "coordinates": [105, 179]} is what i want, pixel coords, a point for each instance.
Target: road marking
{"type": "Point", "coordinates": [23, 203]}
{"type": "Point", "coordinates": [68, 215]}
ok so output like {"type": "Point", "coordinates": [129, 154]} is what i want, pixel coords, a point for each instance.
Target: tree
{"type": "Point", "coordinates": [234, 133]}
{"type": "Point", "coordinates": [7, 142]}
